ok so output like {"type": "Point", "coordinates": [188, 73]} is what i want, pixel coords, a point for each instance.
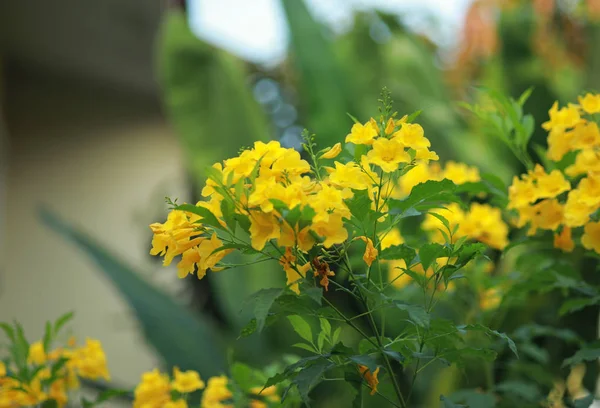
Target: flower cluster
{"type": "Point", "coordinates": [561, 200]}
{"type": "Point", "coordinates": [157, 390]}
{"type": "Point", "coordinates": [56, 373]}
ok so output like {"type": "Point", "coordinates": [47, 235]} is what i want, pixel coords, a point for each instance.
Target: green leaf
{"type": "Point", "coordinates": [417, 314]}
{"type": "Point", "coordinates": [262, 302]}
{"type": "Point", "coordinates": [308, 377]}
{"type": "Point", "coordinates": [325, 91]}
{"type": "Point", "coordinates": [325, 326]}
{"type": "Point", "coordinates": [160, 317]}
{"type": "Point", "coordinates": [110, 394]}
{"type": "Point", "coordinates": [306, 347]}
{"type": "Point", "coordinates": [47, 337]}
{"type": "Point", "coordinates": [430, 252]}
{"type": "Point", "coordinates": [248, 329]}
{"type": "Point", "coordinates": [208, 217]}
{"type": "Point", "coordinates": [8, 330]}
{"type": "Point", "coordinates": [573, 305]}
{"type": "Point", "coordinates": [360, 205]}
{"type": "Point", "coordinates": [585, 402]}
{"type": "Point", "coordinates": [428, 192]}
{"type": "Point", "coordinates": [301, 327]}
{"type": "Point", "coordinates": [447, 403]}
{"type": "Point", "coordinates": [20, 347]}
{"type": "Point", "coordinates": [525, 391]}
{"type": "Point", "coordinates": [474, 398]}
{"type": "Point", "coordinates": [245, 376]}
{"type": "Point", "coordinates": [490, 332]}
{"type": "Point", "coordinates": [61, 322]}
{"type": "Point", "coordinates": [366, 360]}
{"type": "Point", "coordinates": [399, 252]}
{"type": "Point", "coordinates": [589, 353]}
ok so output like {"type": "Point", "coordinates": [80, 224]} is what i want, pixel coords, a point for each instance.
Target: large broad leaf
{"type": "Point", "coordinates": [326, 94]}
{"type": "Point", "coordinates": [179, 337]}
{"type": "Point", "coordinates": [214, 114]}
{"type": "Point", "coordinates": [206, 95]}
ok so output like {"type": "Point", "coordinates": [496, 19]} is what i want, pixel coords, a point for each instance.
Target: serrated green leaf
{"type": "Point", "coordinates": [262, 302]}
{"type": "Point", "coordinates": [479, 327]}
{"type": "Point", "coordinates": [573, 305]}
{"type": "Point", "coordinates": [306, 347]}
{"type": "Point", "coordinates": [429, 191]}
{"type": "Point", "coordinates": [310, 376]}
{"type": "Point", "coordinates": [428, 253]}
{"type": "Point", "coordinates": [366, 360]}
{"type": "Point", "coordinates": [589, 353]}
{"type": "Point", "coordinates": [416, 314]}
{"type": "Point", "coordinates": [399, 252]}
{"type": "Point", "coordinates": [301, 327]}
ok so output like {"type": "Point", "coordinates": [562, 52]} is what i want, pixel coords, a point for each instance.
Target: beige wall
{"type": "Point", "coordinates": [104, 161]}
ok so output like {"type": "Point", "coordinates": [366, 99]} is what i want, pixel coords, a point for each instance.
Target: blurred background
{"type": "Point", "coordinates": [109, 106]}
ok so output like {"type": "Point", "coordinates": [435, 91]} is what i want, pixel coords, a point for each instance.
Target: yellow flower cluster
{"type": "Point", "coordinates": [267, 181]}
{"type": "Point", "coordinates": [538, 196]}
{"type": "Point", "coordinates": [481, 222]}
{"type": "Point", "coordinates": [157, 390]}
{"type": "Point", "coordinates": [87, 361]}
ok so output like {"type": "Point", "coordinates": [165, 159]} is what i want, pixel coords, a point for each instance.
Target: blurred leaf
{"type": "Point", "coordinates": [447, 403]}
{"type": "Point", "coordinates": [490, 332]}
{"type": "Point", "coordinates": [175, 333]}
{"type": "Point", "coordinates": [262, 302]}
{"type": "Point", "coordinates": [590, 352]}
{"type": "Point", "coordinates": [325, 92]}
{"type": "Point", "coordinates": [417, 314]}
{"type": "Point", "coordinates": [525, 391]}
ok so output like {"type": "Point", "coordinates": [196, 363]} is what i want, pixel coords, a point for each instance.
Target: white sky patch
{"type": "Point", "coordinates": [256, 30]}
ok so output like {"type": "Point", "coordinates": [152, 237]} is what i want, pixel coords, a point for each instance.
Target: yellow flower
{"type": "Point", "coordinates": [546, 215]}
{"type": "Point", "coordinates": [263, 227]}
{"type": "Point", "coordinates": [216, 393]}
{"type": "Point", "coordinates": [58, 392]}
{"type": "Point", "coordinates": [396, 273]}
{"type": "Point", "coordinates": [333, 231]}
{"type": "Point", "coordinates": [585, 135]}
{"type": "Point", "coordinates": [154, 391]}
{"type": "Point", "coordinates": [390, 126]}
{"type": "Point", "coordinates": [426, 155]}
{"type": "Point", "coordinates": [37, 355]}
{"type": "Point", "coordinates": [564, 240]}
{"type": "Point", "coordinates": [269, 393]}
{"type": "Point", "coordinates": [288, 164]}
{"type": "Point", "coordinates": [587, 161]}
{"type": "Point", "coordinates": [484, 223]}
{"type": "Point", "coordinates": [390, 238]}
{"type": "Point", "coordinates": [293, 271]}
{"type": "Point", "coordinates": [549, 185]}
{"type": "Point", "coordinates": [521, 193]}
{"type": "Point", "coordinates": [175, 236]}
{"type": "Point", "coordinates": [332, 152]}
{"type": "Point", "coordinates": [453, 213]}
{"type": "Point", "coordinates": [559, 143]}
{"type": "Point", "coordinates": [329, 201]}
{"type": "Point", "coordinates": [490, 299]}
{"type": "Point", "coordinates": [362, 134]}
{"type": "Point", "coordinates": [556, 395]}
{"type": "Point", "coordinates": [590, 190]}
{"type": "Point", "coordinates": [180, 403]}
{"type": "Point", "coordinates": [2, 371]}
{"type": "Point", "coordinates": [591, 236]}
{"type": "Point", "coordinates": [576, 211]}
{"type": "Point", "coordinates": [186, 382]}
{"type": "Point", "coordinates": [388, 154]}
{"type": "Point", "coordinates": [460, 173]}
{"type": "Point", "coordinates": [370, 378]}
{"type": "Point", "coordinates": [563, 118]}
{"type": "Point", "coordinates": [292, 237]}
{"type": "Point", "coordinates": [575, 382]}
{"type": "Point", "coordinates": [371, 252]}
{"type": "Point", "coordinates": [590, 103]}
{"type": "Point", "coordinates": [350, 176]}
{"type": "Point", "coordinates": [90, 361]}
{"type": "Point", "coordinates": [411, 135]}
